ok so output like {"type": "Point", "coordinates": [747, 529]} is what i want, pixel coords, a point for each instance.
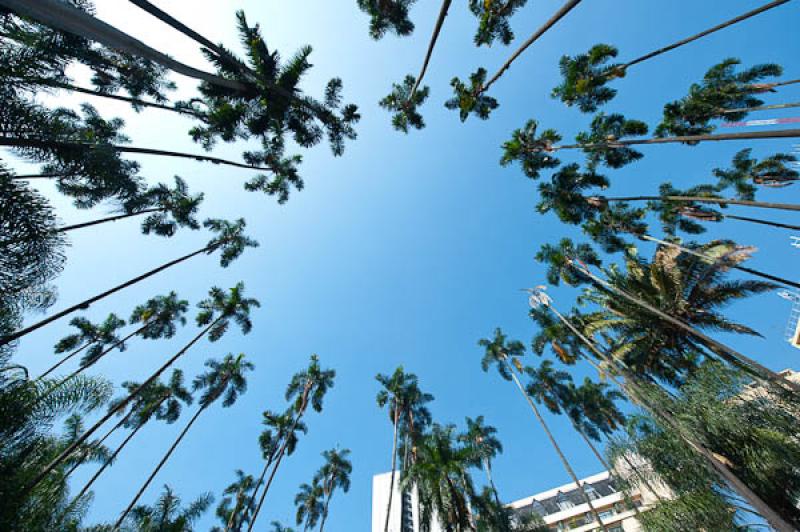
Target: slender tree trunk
{"type": "Point", "coordinates": [65, 228]}
{"type": "Point", "coordinates": [566, 8]}
{"type": "Point", "coordinates": [705, 199]}
{"type": "Point", "coordinates": [81, 461]}
{"type": "Point", "coordinates": [63, 360]}
{"type": "Point", "coordinates": [436, 30]}
{"type": "Point", "coordinates": [709, 31]}
{"type": "Point", "coordinates": [762, 222]}
{"type": "Point", "coordinates": [463, 512]}
{"type": "Point", "coordinates": [251, 501]}
{"type": "Point", "coordinates": [325, 510]}
{"type": "Point", "coordinates": [631, 389]}
{"type": "Point", "coordinates": [86, 303]}
{"type": "Point", "coordinates": [730, 355]}
{"type": "Point", "coordinates": [113, 457]}
{"type": "Point", "coordinates": [90, 364]}
{"type": "Point", "coordinates": [36, 176]}
{"type": "Point", "coordinates": [750, 135]}
{"type": "Point", "coordinates": [122, 404]}
{"type": "Point", "coordinates": [760, 108]}
{"type": "Point", "coordinates": [488, 468]}
{"type": "Point", "coordinates": [158, 467]}
{"type": "Point", "coordinates": [751, 271]}
{"type": "Point", "coordinates": [232, 518]}
{"type": "Point", "coordinates": [555, 445]}
{"type": "Point", "coordinates": [36, 143]}
{"type": "Point", "coordinates": [279, 457]}
{"type": "Point", "coordinates": [394, 466]}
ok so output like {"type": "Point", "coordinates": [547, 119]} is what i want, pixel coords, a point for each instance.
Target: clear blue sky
{"type": "Point", "coordinates": [408, 249]}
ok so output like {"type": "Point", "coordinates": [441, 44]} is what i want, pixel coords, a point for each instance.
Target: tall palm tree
{"type": "Point", "coordinates": [230, 241]}
{"type": "Point", "coordinates": [441, 477]}
{"type": "Point", "coordinates": [601, 201]}
{"type": "Point", "coordinates": [167, 514]}
{"type": "Point", "coordinates": [585, 75]}
{"type": "Point", "coordinates": [472, 99]}
{"type": "Point", "coordinates": [238, 493]}
{"type": "Point", "coordinates": [216, 314]}
{"type": "Point", "coordinates": [156, 401]}
{"type": "Point", "coordinates": [307, 387]}
{"type": "Point", "coordinates": [334, 474]}
{"type": "Point", "coordinates": [280, 427]}
{"type": "Point", "coordinates": [406, 403]}
{"type": "Point", "coordinates": [481, 439]}
{"type": "Point", "coordinates": [89, 336]}
{"type": "Point", "coordinates": [404, 99]}
{"type": "Point", "coordinates": [747, 172]}
{"type": "Point", "coordinates": [505, 356]}
{"type": "Point", "coordinates": [387, 15]}
{"type": "Point", "coordinates": [309, 505]}
{"type": "Point", "coordinates": [493, 20]}
{"type": "Point", "coordinates": [226, 380]}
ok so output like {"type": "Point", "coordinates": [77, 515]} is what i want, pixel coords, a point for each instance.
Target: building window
{"type": "Point", "coordinates": [564, 502]}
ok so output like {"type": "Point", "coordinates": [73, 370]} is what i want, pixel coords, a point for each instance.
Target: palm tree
{"type": "Point", "coordinates": [609, 128]}
{"type": "Point", "coordinates": [441, 478]}
{"type": "Point", "coordinates": [277, 527]}
{"type": "Point", "coordinates": [585, 75]}
{"type": "Point", "coordinates": [668, 297]}
{"type": "Point", "coordinates": [472, 100]}
{"type": "Point", "coordinates": [333, 475]}
{"type": "Point", "coordinates": [307, 387]}
{"type": "Point", "coordinates": [230, 241]}
{"type": "Point", "coordinates": [481, 439]}
{"type": "Point", "coordinates": [771, 171]}
{"type": "Point", "coordinates": [406, 405]}
{"type": "Point", "coordinates": [226, 380]}
{"type": "Point", "coordinates": [167, 514]}
{"type": "Point", "coordinates": [387, 15]}
{"type": "Point", "coordinates": [602, 201]}
{"type": "Point", "coordinates": [89, 336]}
{"type": "Point", "coordinates": [285, 427]}
{"type": "Point", "coordinates": [493, 16]}
{"type": "Point", "coordinates": [157, 400]}
{"type": "Point", "coordinates": [216, 314]}
{"type": "Point", "coordinates": [242, 488]}
{"type": "Point", "coordinates": [503, 354]}
{"type": "Point", "coordinates": [532, 151]}
{"type": "Point", "coordinates": [309, 505]}
{"type": "Point", "coordinates": [404, 99]}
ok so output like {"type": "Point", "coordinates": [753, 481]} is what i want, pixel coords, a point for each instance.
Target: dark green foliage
{"type": "Point", "coordinates": [235, 497]}
{"type": "Point", "coordinates": [681, 215]}
{"type": "Point", "coordinates": [493, 16]}
{"type": "Point", "coordinates": [605, 229]}
{"type": "Point", "coordinates": [230, 239]}
{"type": "Point", "coordinates": [471, 99]}
{"type": "Point", "coordinates": [747, 172]}
{"type": "Point", "coordinates": [279, 428]}
{"type": "Point", "coordinates": [548, 386]}
{"type": "Point", "coordinates": [558, 257]}
{"type": "Point", "coordinates": [493, 517]}
{"type": "Point", "coordinates": [167, 514]}
{"type": "Point", "coordinates": [157, 400]}
{"type": "Point", "coordinates": [221, 307]}
{"type": "Point", "coordinates": [31, 254]}
{"type": "Point", "coordinates": [404, 106]}
{"type": "Point", "coordinates": [585, 77]}
{"type": "Point", "coordinates": [722, 88]}
{"type": "Point", "coordinates": [499, 352]}
{"type": "Point", "coordinates": [534, 153]}
{"type": "Point", "coordinates": [284, 170]}
{"type": "Point", "coordinates": [161, 314]}
{"type": "Point", "coordinates": [311, 384]}
{"type": "Point", "coordinates": [563, 194]}
{"type": "Point", "coordinates": [310, 505]}
{"type": "Point", "coordinates": [272, 105]}
{"type": "Point", "coordinates": [386, 15]}
{"type": "Point", "coordinates": [99, 337]}
{"type": "Point", "coordinates": [177, 208]}
{"type": "Point", "coordinates": [606, 129]}
{"type": "Point", "coordinates": [225, 379]}
{"type": "Point", "coordinates": [689, 288]}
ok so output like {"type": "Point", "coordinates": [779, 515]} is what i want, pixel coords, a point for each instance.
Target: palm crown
{"type": "Point", "coordinates": [222, 307]}
{"type": "Point", "coordinates": [498, 351]}
{"type": "Point", "coordinates": [161, 315]}
{"type": "Point", "coordinates": [225, 379]}
{"type": "Point", "coordinates": [310, 386]}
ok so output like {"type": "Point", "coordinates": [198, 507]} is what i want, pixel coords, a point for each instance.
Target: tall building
{"type": "Point", "coordinates": [562, 508]}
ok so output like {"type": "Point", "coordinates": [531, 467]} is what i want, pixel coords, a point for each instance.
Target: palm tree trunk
{"type": "Point", "coordinates": [232, 518]}
{"type": "Point", "coordinates": [751, 271]}
{"type": "Point", "coordinates": [67, 18]}
{"type": "Point", "coordinates": [730, 355]}
{"type": "Point", "coordinates": [709, 31]}
{"type": "Point", "coordinates": [279, 457]}
{"type": "Point", "coordinates": [325, 511]}
{"type": "Point", "coordinates": [488, 468]}
{"type": "Point", "coordinates": [760, 108]}
{"type": "Point", "coordinates": [750, 135]}
{"type": "Point", "coordinates": [86, 366]}
{"type": "Point", "coordinates": [762, 222]}
{"type": "Point", "coordinates": [113, 456]}
{"type": "Point", "coordinates": [436, 30]}
{"type": "Point", "coordinates": [65, 228]}
{"type": "Point", "coordinates": [631, 389]}
{"type": "Point", "coordinates": [555, 445]}
{"type": "Point", "coordinates": [100, 442]}
{"type": "Point", "coordinates": [63, 360]}
{"type": "Point", "coordinates": [36, 176]}
{"type": "Point", "coordinates": [705, 199]}
{"type": "Point", "coordinates": [86, 303]}
{"type": "Point", "coordinates": [36, 143]}
{"type": "Point", "coordinates": [158, 467]}
{"type": "Point", "coordinates": [55, 462]}
{"type": "Point", "coordinates": [252, 498]}
{"type": "Point", "coordinates": [566, 8]}
{"type": "Point", "coordinates": [394, 465]}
